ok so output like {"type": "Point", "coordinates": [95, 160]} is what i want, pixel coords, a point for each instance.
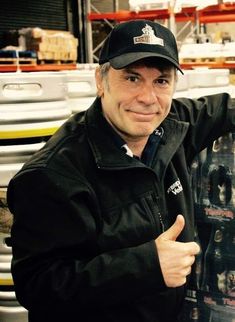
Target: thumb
{"type": "Point", "coordinates": [173, 232]}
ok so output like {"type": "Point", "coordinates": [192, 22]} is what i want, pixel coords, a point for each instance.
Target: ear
{"type": "Point", "coordinates": [99, 82]}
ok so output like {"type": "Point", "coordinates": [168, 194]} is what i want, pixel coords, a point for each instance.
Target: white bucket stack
{"type": "Point", "coordinates": [32, 107]}
{"type": "Point", "coordinates": [10, 309]}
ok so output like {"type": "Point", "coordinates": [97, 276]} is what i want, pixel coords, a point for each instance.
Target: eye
{"type": "Point", "coordinates": [162, 81]}
{"type": "Point", "coordinates": [132, 78]}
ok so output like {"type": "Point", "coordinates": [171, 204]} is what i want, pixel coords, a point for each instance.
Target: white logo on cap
{"type": "Point", "coordinates": [148, 37]}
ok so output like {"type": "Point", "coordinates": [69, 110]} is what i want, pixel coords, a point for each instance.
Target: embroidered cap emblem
{"type": "Point", "coordinates": [148, 37]}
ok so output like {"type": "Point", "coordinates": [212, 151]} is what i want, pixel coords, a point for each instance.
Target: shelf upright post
{"type": "Point", "coordinates": [115, 5]}
{"type": "Point", "coordinates": [172, 25]}
{"type": "Point", "coordinates": [91, 50]}
{"type": "Point", "coordinates": [88, 31]}
{"type": "Point", "coordinates": [197, 22]}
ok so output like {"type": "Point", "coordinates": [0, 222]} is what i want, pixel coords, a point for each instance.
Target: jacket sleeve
{"type": "Point", "coordinates": [56, 256]}
{"type": "Point", "coordinates": [209, 117]}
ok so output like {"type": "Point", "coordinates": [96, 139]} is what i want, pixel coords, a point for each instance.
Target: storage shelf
{"type": "Point", "coordinates": [186, 14]}
{"type": "Point", "coordinates": [216, 13]}
{"type": "Point", "coordinates": [209, 65]}
{"type": "Point", "coordinates": [37, 68]}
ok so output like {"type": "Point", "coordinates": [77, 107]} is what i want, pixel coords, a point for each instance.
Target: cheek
{"type": "Point", "coordinates": [165, 103]}
{"type": "Point", "coordinates": [120, 100]}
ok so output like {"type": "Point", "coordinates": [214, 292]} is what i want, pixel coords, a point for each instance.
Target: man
{"type": "Point", "coordinates": [103, 214]}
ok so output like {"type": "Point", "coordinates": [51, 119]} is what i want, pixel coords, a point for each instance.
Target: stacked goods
{"type": "Point", "coordinates": [228, 52]}
{"type": "Point", "coordinates": [201, 53]}
{"type": "Point", "coordinates": [10, 309]}
{"type": "Point", "coordinates": [207, 53]}
{"type": "Point", "coordinates": [204, 81]}
{"type": "Point", "coordinates": [32, 107]}
{"type": "Point", "coordinates": [141, 5]}
{"type": "Point", "coordinates": [211, 292]}
{"type": "Point", "coordinates": [50, 45]}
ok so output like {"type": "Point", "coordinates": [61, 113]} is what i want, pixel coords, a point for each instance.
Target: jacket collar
{"type": "Point", "coordinates": [107, 154]}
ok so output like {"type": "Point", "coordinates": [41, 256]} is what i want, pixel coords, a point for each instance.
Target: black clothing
{"type": "Point", "coordinates": [86, 216]}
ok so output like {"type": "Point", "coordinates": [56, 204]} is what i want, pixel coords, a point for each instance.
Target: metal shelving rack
{"type": "Point", "coordinates": [223, 12]}
{"type": "Point", "coordinates": [217, 13]}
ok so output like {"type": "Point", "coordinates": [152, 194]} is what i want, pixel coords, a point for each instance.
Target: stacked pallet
{"type": "Point", "coordinates": [17, 57]}
{"type": "Point", "coordinates": [50, 45]}
{"type": "Point", "coordinates": [213, 53]}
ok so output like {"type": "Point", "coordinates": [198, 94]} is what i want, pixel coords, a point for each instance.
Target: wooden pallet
{"type": "Point", "coordinates": [37, 67]}
{"type": "Point", "coordinates": [13, 57]}
{"type": "Point", "coordinates": [55, 62]}
{"type": "Point", "coordinates": [18, 61]}
{"type": "Point", "coordinates": [229, 60]}
{"type": "Point", "coordinates": [202, 60]}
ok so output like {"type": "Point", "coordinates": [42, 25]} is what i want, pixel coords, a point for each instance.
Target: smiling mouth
{"type": "Point", "coordinates": [143, 116]}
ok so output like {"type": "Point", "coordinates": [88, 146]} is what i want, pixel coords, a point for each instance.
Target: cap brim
{"type": "Point", "coordinates": [130, 58]}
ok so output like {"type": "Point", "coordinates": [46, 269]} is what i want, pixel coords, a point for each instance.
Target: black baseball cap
{"type": "Point", "coordinates": [133, 40]}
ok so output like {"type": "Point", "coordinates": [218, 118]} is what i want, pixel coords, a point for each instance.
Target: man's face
{"type": "Point", "coordinates": [136, 99]}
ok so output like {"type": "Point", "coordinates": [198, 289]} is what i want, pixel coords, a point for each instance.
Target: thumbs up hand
{"type": "Point", "coordinates": [176, 258]}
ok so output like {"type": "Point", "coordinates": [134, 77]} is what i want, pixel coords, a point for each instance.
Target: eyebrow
{"type": "Point", "coordinates": [130, 71]}
{"type": "Point", "coordinates": [164, 73]}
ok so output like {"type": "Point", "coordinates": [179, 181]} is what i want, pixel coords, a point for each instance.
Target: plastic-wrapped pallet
{"type": "Point", "coordinates": [197, 3]}
{"type": "Point", "coordinates": [201, 53]}
{"type": "Point", "coordinates": [228, 52]}
{"type": "Point", "coordinates": [141, 5]}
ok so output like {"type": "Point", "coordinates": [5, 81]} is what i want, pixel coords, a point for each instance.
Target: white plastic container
{"type": "Point", "coordinates": [80, 83]}
{"type": "Point", "coordinates": [32, 104]}
{"type": "Point", "coordinates": [199, 51]}
{"type": "Point", "coordinates": [5, 261]}
{"type": "Point", "coordinates": [205, 77]}
{"type": "Point", "coordinates": [182, 81]}
{"type": "Point", "coordinates": [12, 158]}
{"type": "Point", "coordinates": [29, 130]}
{"type": "Point", "coordinates": [32, 87]}
{"type": "Point", "coordinates": [81, 89]}
{"type": "Point", "coordinates": [80, 104]}
{"type": "Point", "coordinates": [228, 52]}
{"type": "Point", "coordinates": [10, 309]}
{"type": "Point", "coordinates": [33, 112]}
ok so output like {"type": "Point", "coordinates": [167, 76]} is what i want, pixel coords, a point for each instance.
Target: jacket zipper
{"type": "Point", "coordinates": [161, 221]}
{"type": "Point", "coordinates": [157, 213]}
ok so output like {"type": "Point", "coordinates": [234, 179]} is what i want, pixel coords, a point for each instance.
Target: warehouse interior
{"type": "Point", "coordinates": [58, 42]}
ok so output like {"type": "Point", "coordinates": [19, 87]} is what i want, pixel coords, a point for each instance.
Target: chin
{"type": "Point", "coordinates": [142, 133]}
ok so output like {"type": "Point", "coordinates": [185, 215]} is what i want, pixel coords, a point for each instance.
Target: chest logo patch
{"type": "Point", "coordinates": [175, 188]}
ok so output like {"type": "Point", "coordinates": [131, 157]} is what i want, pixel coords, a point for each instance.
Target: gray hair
{"type": "Point", "coordinates": [104, 68]}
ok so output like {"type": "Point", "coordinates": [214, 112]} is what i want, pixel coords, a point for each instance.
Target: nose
{"type": "Point", "coordinates": [147, 94]}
